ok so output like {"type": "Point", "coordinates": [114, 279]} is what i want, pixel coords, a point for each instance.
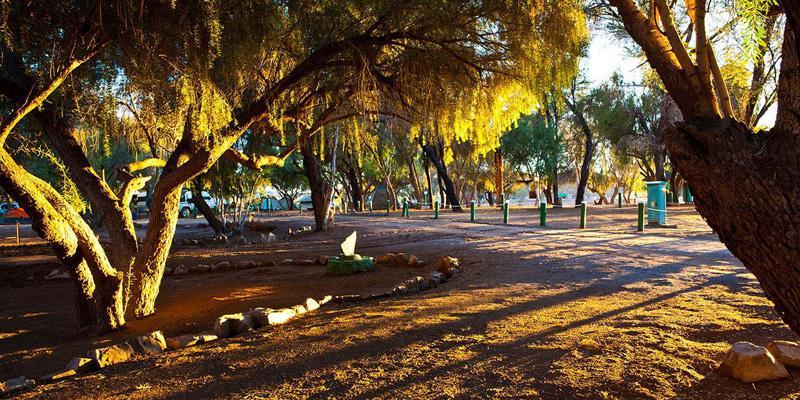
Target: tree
{"type": "Point", "coordinates": [722, 158]}
{"type": "Point", "coordinates": [289, 180]}
{"type": "Point", "coordinates": [576, 105]}
{"type": "Point", "coordinates": [201, 75]}
{"type": "Point", "coordinates": [534, 149]}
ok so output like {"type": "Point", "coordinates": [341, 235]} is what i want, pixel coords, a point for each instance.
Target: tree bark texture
{"type": "Point", "coordinates": [441, 170]}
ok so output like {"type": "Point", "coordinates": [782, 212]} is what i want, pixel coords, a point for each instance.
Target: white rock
{"type": "Point", "coordinates": [57, 274]}
{"type": "Point", "coordinates": [79, 364]}
{"type": "Point", "coordinates": [110, 355]}
{"type": "Point", "coordinates": [278, 317]}
{"type": "Point", "coordinates": [311, 304]}
{"type": "Point", "coordinates": [56, 376]}
{"type": "Point", "coordinates": [259, 317]}
{"type": "Point", "coordinates": [299, 309]}
{"type": "Point", "coordinates": [16, 385]}
{"type": "Point", "coordinates": [150, 344]}
{"type": "Point", "coordinates": [182, 341]}
{"type": "Point", "coordinates": [785, 352]}
{"type": "Point", "coordinates": [750, 363]}
{"type": "Point", "coordinates": [271, 238]}
{"type": "Point", "coordinates": [231, 325]}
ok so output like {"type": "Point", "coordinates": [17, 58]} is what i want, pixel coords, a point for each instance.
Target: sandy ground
{"type": "Point", "coordinates": [555, 312]}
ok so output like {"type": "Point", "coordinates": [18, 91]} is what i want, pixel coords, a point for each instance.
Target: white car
{"type": "Point", "coordinates": [186, 207]}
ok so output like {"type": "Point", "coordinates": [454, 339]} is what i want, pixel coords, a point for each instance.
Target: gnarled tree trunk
{"type": "Point", "coordinates": [441, 170]}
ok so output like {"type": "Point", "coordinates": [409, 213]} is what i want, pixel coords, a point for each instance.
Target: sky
{"type": "Point", "coordinates": [606, 56]}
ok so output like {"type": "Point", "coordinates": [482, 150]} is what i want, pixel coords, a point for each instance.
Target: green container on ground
{"type": "Point", "coordinates": [657, 202]}
{"type": "Point", "coordinates": [345, 265]}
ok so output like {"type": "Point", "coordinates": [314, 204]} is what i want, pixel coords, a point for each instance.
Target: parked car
{"type": "Point", "coordinates": [304, 203]}
{"type": "Point", "coordinates": [186, 207]}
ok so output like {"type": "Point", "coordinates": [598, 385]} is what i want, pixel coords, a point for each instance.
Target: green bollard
{"type": "Point", "coordinates": [472, 211]}
{"type": "Point", "coordinates": [543, 214]}
{"type": "Point", "coordinates": [583, 215]}
{"type": "Point", "coordinates": [502, 199]}
{"type": "Point", "coordinates": [619, 200]}
{"type": "Point", "coordinates": [389, 208]}
{"type": "Point", "coordinates": [436, 209]}
{"type": "Point", "coordinates": [505, 212]}
{"type": "Point", "coordinates": [641, 217]}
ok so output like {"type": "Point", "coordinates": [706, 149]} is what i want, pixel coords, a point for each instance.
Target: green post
{"type": "Point", "coordinates": [505, 212]}
{"type": "Point", "coordinates": [502, 199]}
{"type": "Point", "coordinates": [641, 217]}
{"type": "Point", "coordinates": [583, 215]}
{"type": "Point", "coordinates": [472, 211]}
{"type": "Point", "coordinates": [543, 214]}
{"type": "Point", "coordinates": [388, 207]}
{"type": "Point", "coordinates": [619, 199]}
{"type": "Point", "coordinates": [436, 209]}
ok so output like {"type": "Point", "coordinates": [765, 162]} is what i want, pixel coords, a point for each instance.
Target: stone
{"type": "Point", "coordinates": [785, 352]}
{"type": "Point", "coordinates": [259, 317]}
{"type": "Point", "coordinates": [437, 277]}
{"type": "Point", "coordinates": [385, 258]}
{"type": "Point", "coordinates": [79, 364]}
{"type": "Point", "coordinates": [311, 304]}
{"type": "Point", "coordinates": [222, 265]}
{"type": "Point", "coordinates": [270, 263]}
{"type": "Point", "coordinates": [278, 317]}
{"type": "Point", "coordinates": [446, 262]}
{"type": "Point", "coordinates": [180, 270]}
{"type": "Point", "coordinates": [16, 385]}
{"type": "Point", "coordinates": [56, 376]}
{"type": "Point", "coordinates": [110, 355]}
{"type": "Point", "coordinates": [271, 238]}
{"type": "Point", "coordinates": [182, 341]}
{"type": "Point", "coordinates": [413, 261]}
{"type": "Point", "coordinates": [349, 245]}
{"type": "Point", "coordinates": [325, 299]}
{"type": "Point", "coordinates": [150, 344]}
{"type": "Point", "coordinates": [200, 268]}
{"type": "Point", "coordinates": [57, 274]}
{"type": "Point", "coordinates": [401, 260]}
{"type": "Point", "coordinates": [345, 298]}
{"type": "Point", "coordinates": [750, 363]}
{"type": "Point", "coordinates": [231, 325]}
{"type": "Point", "coordinates": [299, 309]}
{"type": "Point", "coordinates": [400, 289]}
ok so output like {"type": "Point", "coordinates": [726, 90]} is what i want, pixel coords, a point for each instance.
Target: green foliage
{"type": "Point", "coordinates": [533, 147]}
{"type": "Point", "coordinates": [754, 15]}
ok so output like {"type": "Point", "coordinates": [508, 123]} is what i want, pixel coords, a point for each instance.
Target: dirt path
{"type": "Point", "coordinates": [558, 312]}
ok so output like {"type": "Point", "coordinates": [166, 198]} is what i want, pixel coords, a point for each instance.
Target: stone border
{"type": "Point", "coordinates": [225, 326]}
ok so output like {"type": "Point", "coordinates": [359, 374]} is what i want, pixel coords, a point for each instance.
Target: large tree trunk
{"type": "Point", "coordinates": [556, 197]}
{"type": "Point", "coordinates": [316, 182]}
{"type": "Point", "coordinates": [428, 181]}
{"type": "Point", "coordinates": [201, 205]}
{"type": "Point", "coordinates": [441, 170]}
{"type": "Point", "coordinates": [148, 270]}
{"type": "Point", "coordinates": [498, 173]}
{"type": "Point", "coordinates": [731, 170]}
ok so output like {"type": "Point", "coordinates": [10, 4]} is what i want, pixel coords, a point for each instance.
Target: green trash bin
{"type": "Point", "coordinates": [656, 203]}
